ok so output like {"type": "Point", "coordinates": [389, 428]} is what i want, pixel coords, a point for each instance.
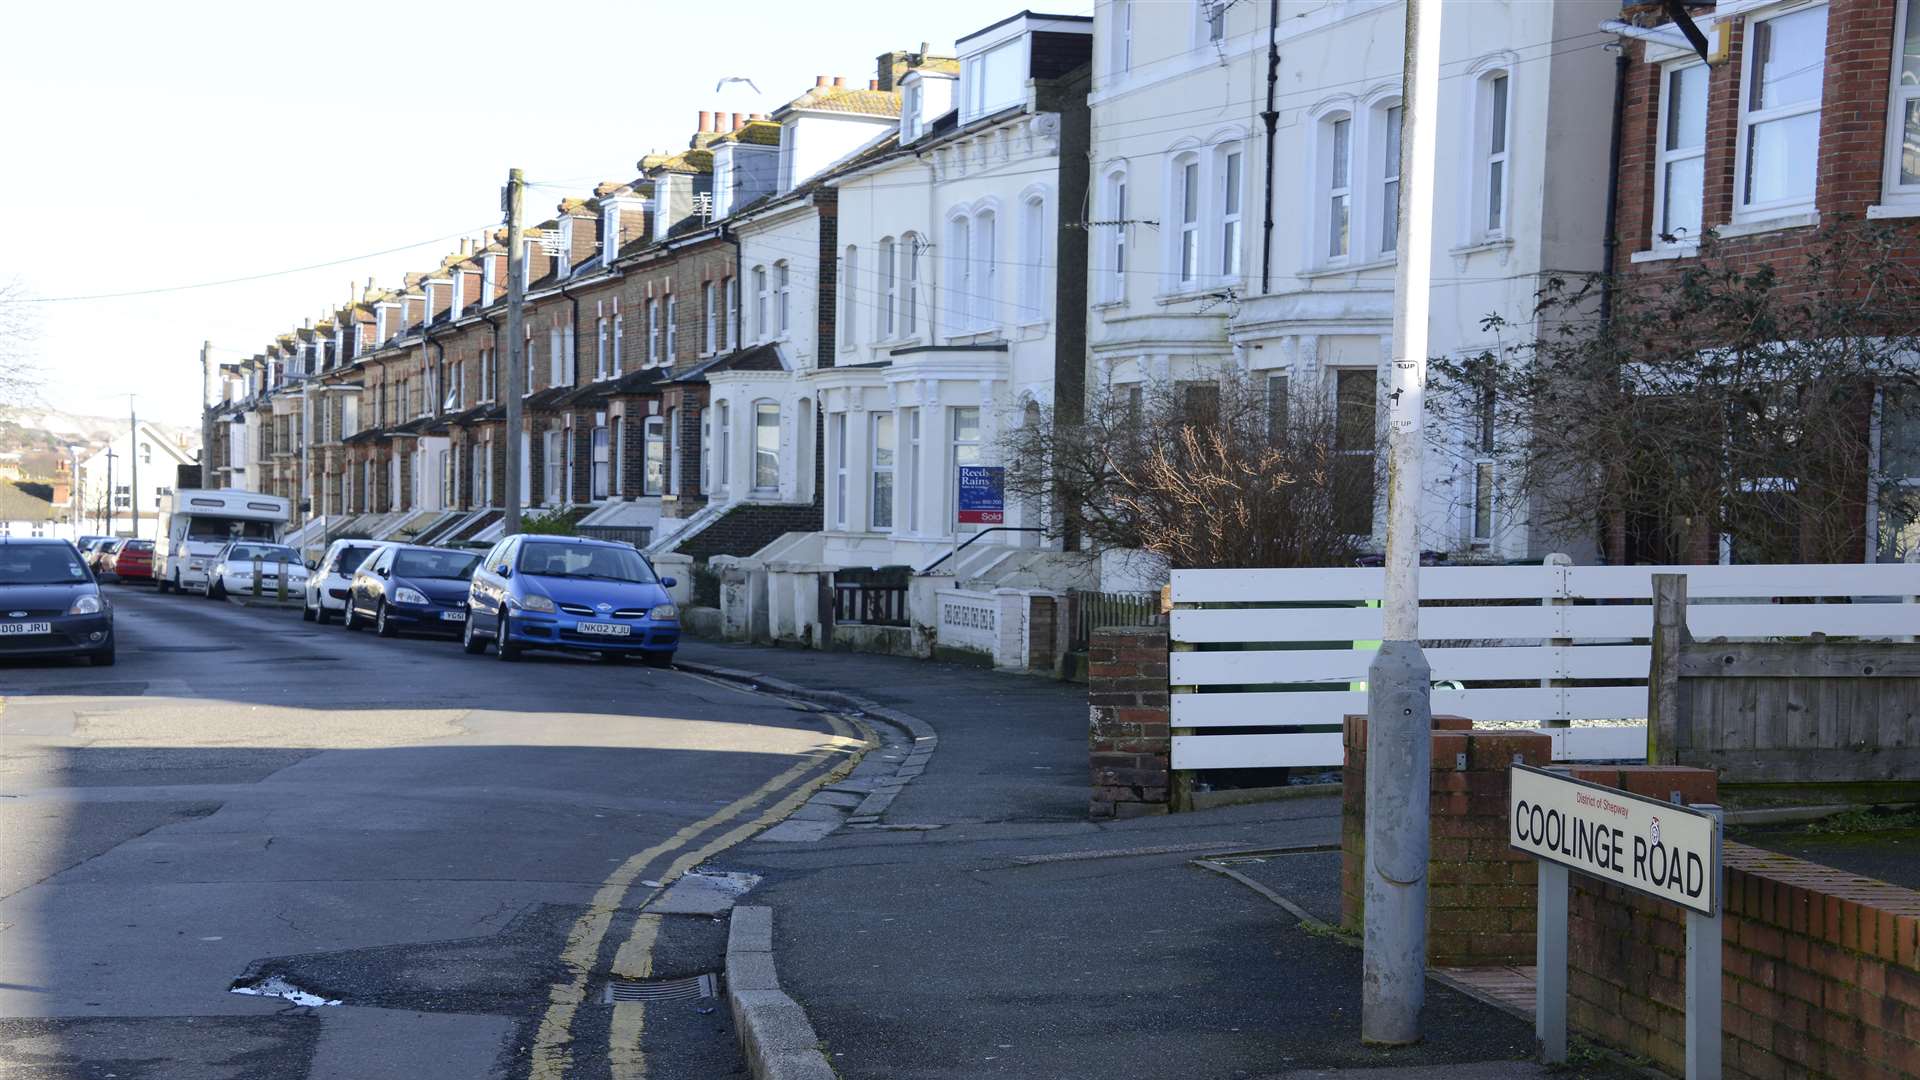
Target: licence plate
{"type": "Point", "coordinates": [47, 628]}
{"type": "Point", "coordinates": [609, 629]}
{"type": "Point", "coordinates": [453, 616]}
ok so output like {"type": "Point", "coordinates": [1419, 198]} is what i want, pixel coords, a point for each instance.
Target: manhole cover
{"type": "Point", "coordinates": [692, 988]}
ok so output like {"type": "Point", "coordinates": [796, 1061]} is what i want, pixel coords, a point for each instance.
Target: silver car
{"type": "Point", "coordinates": [331, 578]}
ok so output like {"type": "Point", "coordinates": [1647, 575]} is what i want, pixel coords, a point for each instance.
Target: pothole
{"type": "Point", "coordinates": [276, 986]}
{"type": "Point", "coordinates": [691, 988]}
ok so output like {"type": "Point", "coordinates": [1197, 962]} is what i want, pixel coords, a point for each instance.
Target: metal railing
{"type": "Point", "coordinates": [1088, 611]}
{"type": "Point", "coordinates": [875, 597]}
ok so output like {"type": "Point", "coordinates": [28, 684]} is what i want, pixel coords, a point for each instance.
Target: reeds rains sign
{"type": "Point", "coordinates": [1658, 848]}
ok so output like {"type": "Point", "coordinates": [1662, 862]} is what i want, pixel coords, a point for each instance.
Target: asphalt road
{"type": "Point", "coordinates": [452, 847]}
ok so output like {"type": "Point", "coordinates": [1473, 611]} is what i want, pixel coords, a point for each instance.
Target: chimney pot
{"type": "Point", "coordinates": [839, 81]}
{"type": "Point", "coordinates": [739, 121]}
{"type": "Point", "coordinates": [873, 84]}
{"type": "Point", "coordinates": [706, 120]}
{"type": "Point", "coordinates": [819, 80]}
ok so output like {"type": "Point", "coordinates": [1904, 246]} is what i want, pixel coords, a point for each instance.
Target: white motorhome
{"type": "Point", "coordinates": [199, 523]}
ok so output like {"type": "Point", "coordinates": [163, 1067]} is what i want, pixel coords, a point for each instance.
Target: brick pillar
{"type": "Point", "coordinates": [1480, 893]}
{"type": "Point", "coordinates": [1040, 630]}
{"type": "Point", "coordinates": [1129, 742]}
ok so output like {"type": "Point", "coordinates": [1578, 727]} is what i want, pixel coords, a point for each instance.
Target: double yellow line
{"type": "Point", "coordinates": [553, 1045]}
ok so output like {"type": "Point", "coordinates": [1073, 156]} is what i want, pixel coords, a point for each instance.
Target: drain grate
{"type": "Point", "coordinates": [692, 988]}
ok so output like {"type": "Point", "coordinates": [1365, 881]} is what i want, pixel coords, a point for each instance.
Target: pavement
{"type": "Point", "coordinates": [983, 927]}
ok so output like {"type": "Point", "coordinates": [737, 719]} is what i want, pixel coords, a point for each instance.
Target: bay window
{"type": "Point", "coordinates": [837, 423]}
{"type": "Point", "coordinates": [1903, 122]}
{"type": "Point", "coordinates": [964, 424]}
{"type": "Point", "coordinates": [602, 464]}
{"type": "Point", "coordinates": [653, 457]}
{"type": "Point", "coordinates": [880, 505]}
{"type": "Point", "coordinates": [766, 446]}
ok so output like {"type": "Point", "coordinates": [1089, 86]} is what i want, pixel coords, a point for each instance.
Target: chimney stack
{"type": "Point", "coordinates": [757, 116]}
{"type": "Point", "coordinates": [706, 121]}
{"type": "Point", "coordinates": [819, 81]}
{"type": "Point", "coordinates": [839, 82]}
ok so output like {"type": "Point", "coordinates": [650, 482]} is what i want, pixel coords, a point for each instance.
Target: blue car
{"type": "Point", "coordinates": [567, 593]}
{"type": "Point", "coordinates": [410, 587]}
{"type": "Point", "coordinates": [50, 603]}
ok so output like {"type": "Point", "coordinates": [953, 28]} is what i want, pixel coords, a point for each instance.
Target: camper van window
{"type": "Point", "coordinates": [223, 529]}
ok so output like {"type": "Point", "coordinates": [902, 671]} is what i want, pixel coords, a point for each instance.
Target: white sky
{"type": "Point", "coordinates": [155, 145]}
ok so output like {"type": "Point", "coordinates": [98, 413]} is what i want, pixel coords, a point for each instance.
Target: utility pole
{"type": "Point", "coordinates": [106, 529]}
{"type": "Point", "coordinates": [133, 465]}
{"type": "Point", "coordinates": [1399, 682]}
{"type": "Point", "coordinates": [516, 346]}
{"type": "Point", "coordinates": [208, 396]}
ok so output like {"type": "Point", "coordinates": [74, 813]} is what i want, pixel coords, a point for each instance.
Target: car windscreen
{"type": "Point", "coordinates": [40, 564]}
{"type": "Point", "coordinates": [350, 559]}
{"type": "Point", "coordinates": [272, 553]}
{"type": "Point", "coordinates": [551, 559]}
{"type": "Point", "coordinates": [138, 545]}
{"type": "Point", "coordinates": [223, 529]}
{"type": "Point", "coordinates": [449, 565]}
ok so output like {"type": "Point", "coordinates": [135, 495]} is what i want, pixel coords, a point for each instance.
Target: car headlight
{"type": "Point", "coordinates": [664, 611]}
{"type": "Point", "coordinates": [531, 603]}
{"type": "Point", "coordinates": [404, 595]}
{"type": "Point", "coordinates": [86, 604]}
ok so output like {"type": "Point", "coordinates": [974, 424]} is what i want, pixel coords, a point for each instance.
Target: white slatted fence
{"type": "Point", "coordinates": [1550, 645]}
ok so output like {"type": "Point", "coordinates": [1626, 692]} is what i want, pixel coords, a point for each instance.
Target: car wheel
{"type": "Point", "coordinates": [659, 659]}
{"type": "Point", "coordinates": [347, 621]}
{"type": "Point", "coordinates": [472, 643]}
{"type": "Point", "coordinates": [103, 659]}
{"type": "Point", "coordinates": [503, 649]}
{"type": "Point", "coordinates": [306, 613]}
{"type": "Point", "coordinates": [320, 613]}
{"type": "Point", "coordinates": [216, 590]}
{"type": "Point", "coordinates": [162, 585]}
{"type": "Point", "coordinates": [380, 624]}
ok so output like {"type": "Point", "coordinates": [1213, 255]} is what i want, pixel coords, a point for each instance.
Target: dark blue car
{"type": "Point", "coordinates": [50, 604]}
{"type": "Point", "coordinates": [563, 592]}
{"type": "Point", "coordinates": [410, 587]}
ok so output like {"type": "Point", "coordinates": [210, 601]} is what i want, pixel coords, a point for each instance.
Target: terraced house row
{"type": "Point", "coordinates": [772, 353]}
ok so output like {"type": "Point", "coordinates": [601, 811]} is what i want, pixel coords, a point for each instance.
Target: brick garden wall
{"type": "Point", "coordinates": [1129, 741]}
{"type": "Point", "coordinates": [1481, 901]}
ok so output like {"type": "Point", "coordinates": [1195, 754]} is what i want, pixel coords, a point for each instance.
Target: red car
{"type": "Point", "coordinates": [132, 561]}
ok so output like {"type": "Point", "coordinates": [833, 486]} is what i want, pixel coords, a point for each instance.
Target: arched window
{"type": "Point", "coordinates": [1336, 185]}
{"type": "Point", "coordinates": [783, 297]}
{"type": "Point", "coordinates": [760, 303]}
{"type": "Point", "coordinates": [986, 274]}
{"type": "Point", "coordinates": [886, 317]}
{"type": "Point", "coordinates": [910, 297]}
{"type": "Point", "coordinates": [1033, 253]}
{"type": "Point", "coordinates": [849, 285]}
{"type": "Point", "coordinates": [959, 275]}
{"type": "Point", "coordinates": [1229, 169]}
{"type": "Point", "coordinates": [1116, 238]}
{"type": "Point", "coordinates": [1184, 187]}
{"type": "Point", "coordinates": [1492, 177]}
{"type": "Point", "coordinates": [1389, 116]}
{"type": "Point", "coordinates": [766, 446]}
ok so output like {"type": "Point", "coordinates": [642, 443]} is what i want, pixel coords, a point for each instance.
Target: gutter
{"type": "Point", "coordinates": [1610, 243]}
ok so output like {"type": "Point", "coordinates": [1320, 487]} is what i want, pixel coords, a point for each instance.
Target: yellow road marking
{"type": "Point", "coordinates": [635, 956]}
{"type": "Point", "coordinates": [552, 1045]}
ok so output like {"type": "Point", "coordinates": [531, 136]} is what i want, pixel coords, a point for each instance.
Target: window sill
{"type": "Point", "coordinates": [1185, 295]}
{"type": "Point", "coordinates": [1330, 270]}
{"type": "Point", "coordinates": [1501, 244]}
{"type": "Point", "coordinates": [1664, 254]}
{"type": "Point", "coordinates": [1107, 305]}
{"type": "Point", "coordinates": [1776, 223]}
{"type": "Point", "coordinates": [1893, 210]}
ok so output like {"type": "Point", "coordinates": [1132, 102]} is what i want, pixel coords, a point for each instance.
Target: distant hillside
{"type": "Point", "coordinates": [41, 436]}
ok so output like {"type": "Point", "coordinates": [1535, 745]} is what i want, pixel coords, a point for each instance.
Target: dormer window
{"type": "Point", "coordinates": [993, 80]}
{"type": "Point", "coordinates": [565, 254]}
{"type": "Point", "coordinates": [910, 112]}
{"type": "Point", "coordinates": [609, 233]}
{"type": "Point", "coordinates": [486, 280]}
{"type": "Point", "coordinates": [459, 290]}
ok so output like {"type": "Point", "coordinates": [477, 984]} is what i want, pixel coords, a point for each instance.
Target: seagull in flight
{"type": "Point", "coordinates": [717, 87]}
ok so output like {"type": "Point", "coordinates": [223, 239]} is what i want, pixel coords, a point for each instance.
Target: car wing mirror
{"type": "Point", "coordinates": [506, 571]}
{"type": "Point", "coordinates": [668, 583]}
{"type": "Point", "coordinates": [312, 564]}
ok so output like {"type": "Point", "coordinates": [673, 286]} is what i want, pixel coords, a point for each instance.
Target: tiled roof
{"type": "Point", "coordinates": [590, 394]}
{"type": "Point", "coordinates": [691, 162]}
{"type": "Point", "coordinates": [548, 398]}
{"type": "Point", "coordinates": [752, 358]}
{"type": "Point", "coordinates": [644, 381]}
{"type": "Point", "coordinates": [845, 99]}
{"type": "Point", "coordinates": [18, 502]}
{"type": "Point", "coordinates": [753, 132]}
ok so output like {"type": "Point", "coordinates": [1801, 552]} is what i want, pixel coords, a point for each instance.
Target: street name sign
{"type": "Point", "coordinates": [1658, 848]}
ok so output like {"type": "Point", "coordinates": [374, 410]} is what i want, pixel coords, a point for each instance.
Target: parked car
{"type": "Point", "coordinates": [133, 561]}
{"type": "Point", "coordinates": [233, 569]}
{"type": "Point", "coordinates": [331, 576]}
{"type": "Point", "coordinates": [411, 587]}
{"type": "Point", "coordinates": [50, 603]}
{"type": "Point", "coordinates": [99, 553]}
{"type": "Point", "coordinates": [555, 592]}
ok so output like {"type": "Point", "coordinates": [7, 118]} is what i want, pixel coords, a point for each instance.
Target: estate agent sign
{"type": "Point", "coordinates": [983, 499]}
{"type": "Point", "coordinates": [1658, 848]}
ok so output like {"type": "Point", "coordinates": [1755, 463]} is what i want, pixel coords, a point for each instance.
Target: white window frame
{"type": "Point", "coordinates": [954, 446]}
{"type": "Point", "coordinates": [653, 434]}
{"type": "Point", "coordinates": [1336, 188]}
{"type": "Point", "coordinates": [710, 296]}
{"type": "Point", "coordinates": [653, 330]}
{"type": "Point", "coordinates": [1230, 158]}
{"type": "Point", "coordinates": [874, 502]}
{"type": "Point", "coordinates": [672, 333]}
{"type": "Point", "coordinates": [1123, 36]}
{"type": "Point", "coordinates": [783, 296]}
{"type": "Point", "coordinates": [886, 317]}
{"type": "Point", "coordinates": [1744, 211]}
{"type": "Point", "coordinates": [1033, 254]}
{"type": "Point", "coordinates": [759, 408]}
{"type": "Point", "coordinates": [1209, 22]}
{"type": "Point", "coordinates": [554, 466]}
{"type": "Point", "coordinates": [761, 298]}
{"type": "Point", "coordinates": [1115, 278]}
{"type": "Point", "coordinates": [1485, 158]}
{"type": "Point", "coordinates": [1663, 158]}
{"type": "Point", "coordinates": [1185, 185]}
{"type": "Point", "coordinates": [910, 297]}
{"type": "Point", "coordinates": [730, 298]}
{"type": "Point", "coordinates": [849, 284]}
{"type": "Point", "coordinates": [673, 451]}
{"type": "Point", "coordinates": [1386, 178]}
{"type": "Point", "coordinates": [837, 425]}
{"type": "Point", "coordinates": [911, 469]}
{"type": "Point", "coordinates": [985, 227]}
{"type": "Point", "coordinates": [724, 429]}
{"type": "Point", "coordinates": [1892, 190]}
{"type": "Point", "coordinates": [600, 336]}
{"type": "Point", "coordinates": [619, 337]}
{"type": "Point", "coordinates": [960, 263]}
{"type": "Point", "coordinates": [600, 484]}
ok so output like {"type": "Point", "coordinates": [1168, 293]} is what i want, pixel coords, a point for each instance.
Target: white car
{"type": "Point", "coordinates": [332, 578]}
{"type": "Point", "coordinates": [232, 572]}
